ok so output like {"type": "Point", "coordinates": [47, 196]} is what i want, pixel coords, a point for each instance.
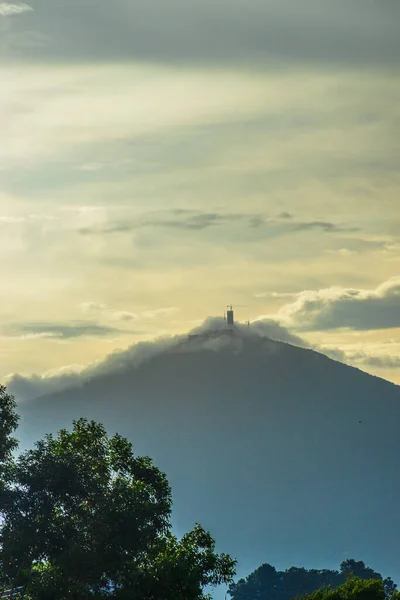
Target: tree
{"type": "Point", "coordinates": [265, 583]}
{"type": "Point", "coordinates": [358, 569]}
{"type": "Point", "coordinates": [354, 588]}
{"type": "Point", "coordinates": [390, 588]}
{"type": "Point", "coordinates": [8, 424]}
{"type": "Point", "coordinates": [88, 519]}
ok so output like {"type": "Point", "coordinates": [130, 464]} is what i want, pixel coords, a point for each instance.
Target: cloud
{"type": "Point", "coordinates": [58, 330]}
{"type": "Point", "coordinates": [175, 219]}
{"type": "Point", "coordinates": [92, 306]}
{"type": "Point", "coordinates": [119, 361]}
{"type": "Point", "coordinates": [367, 358]}
{"type": "Point", "coordinates": [324, 225]}
{"type": "Point", "coordinates": [110, 313]}
{"type": "Point", "coordinates": [383, 361]}
{"type": "Point", "coordinates": [266, 328]}
{"type": "Point", "coordinates": [28, 387]}
{"type": "Point", "coordinates": [274, 330]}
{"type": "Point", "coordinates": [360, 245]}
{"type": "Point", "coordinates": [192, 220]}
{"type": "Point", "coordinates": [226, 31]}
{"type": "Point", "coordinates": [334, 308]}
{"type": "Point", "coordinates": [7, 9]}
{"type": "Point", "coordinates": [196, 221]}
{"type": "Point", "coordinates": [195, 98]}
{"type": "Point", "coordinates": [124, 315]}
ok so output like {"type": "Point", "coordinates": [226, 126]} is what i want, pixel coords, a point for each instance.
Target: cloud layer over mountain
{"type": "Point", "coordinates": [26, 388]}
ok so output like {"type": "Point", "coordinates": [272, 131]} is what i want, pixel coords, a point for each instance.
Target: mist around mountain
{"type": "Point", "coordinates": [34, 386]}
{"type": "Point", "coordinates": [286, 455]}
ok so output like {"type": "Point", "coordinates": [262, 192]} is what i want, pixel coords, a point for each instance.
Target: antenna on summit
{"type": "Point", "coordinates": [229, 316]}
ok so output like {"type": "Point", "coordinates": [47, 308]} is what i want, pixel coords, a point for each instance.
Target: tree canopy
{"type": "Point", "coordinates": [85, 518]}
{"type": "Point", "coordinates": [8, 424]}
{"type": "Point", "coordinates": [266, 583]}
{"type": "Point", "coordinates": [354, 588]}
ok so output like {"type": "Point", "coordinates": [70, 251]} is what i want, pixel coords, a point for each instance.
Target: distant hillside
{"type": "Point", "coordinates": [286, 455]}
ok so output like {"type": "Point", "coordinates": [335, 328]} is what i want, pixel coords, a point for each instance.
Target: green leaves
{"type": "Point", "coordinates": [353, 589]}
{"type": "Point", "coordinates": [8, 424]}
{"type": "Point", "coordinates": [266, 583]}
{"type": "Point", "coordinates": [89, 519]}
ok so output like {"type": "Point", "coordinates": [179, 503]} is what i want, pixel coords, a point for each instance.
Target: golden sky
{"type": "Point", "coordinates": [159, 161]}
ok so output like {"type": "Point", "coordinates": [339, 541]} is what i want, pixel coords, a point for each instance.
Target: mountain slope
{"type": "Point", "coordinates": [286, 455]}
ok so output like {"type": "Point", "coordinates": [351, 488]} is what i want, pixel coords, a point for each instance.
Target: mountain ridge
{"type": "Point", "coordinates": [204, 341]}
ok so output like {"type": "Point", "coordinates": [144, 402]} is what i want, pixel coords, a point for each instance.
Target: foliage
{"type": "Point", "coordinates": [354, 588]}
{"type": "Point", "coordinates": [8, 424]}
{"type": "Point", "coordinates": [266, 583]}
{"type": "Point", "coordinates": [390, 588]}
{"type": "Point", "coordinates": [88, 519]}
{"type": "Point", "coordinates": [358, 569]}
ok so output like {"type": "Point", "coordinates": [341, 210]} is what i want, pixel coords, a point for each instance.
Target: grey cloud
{"type": "Point", "coordinates": [59, 330]}
{"type": "Point", "coordinates": [345, 308]}
{"type": "Point", "coordinates": [381, 361]}
{"type": "Point", "coordinates": [226, 31]}
{"type": "Point", "coordinates": [197, 220]}
{"type": "Point", "coordinates": [359, 359]}
{"type": "Point", "coordinates": [324, 225]}
{"type": "Point", "coordinates": [110, 228]}
{"type": "Point", "coordinates": [274, 330]}
{"type": "Point", "coordinates": [176, 219]}
{"type": "Point", "coordinates": [124, 316]}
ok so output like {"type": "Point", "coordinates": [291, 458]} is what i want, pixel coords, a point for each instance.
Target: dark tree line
{"type": "Point", "coordinates": [266, 583]}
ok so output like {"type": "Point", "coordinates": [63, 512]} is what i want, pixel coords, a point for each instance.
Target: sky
{"type": "Point", "coordinates": [161, 159]}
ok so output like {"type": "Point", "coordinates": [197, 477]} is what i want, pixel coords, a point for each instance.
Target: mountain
{"type": "Point", "coordinates": [287, 456]}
